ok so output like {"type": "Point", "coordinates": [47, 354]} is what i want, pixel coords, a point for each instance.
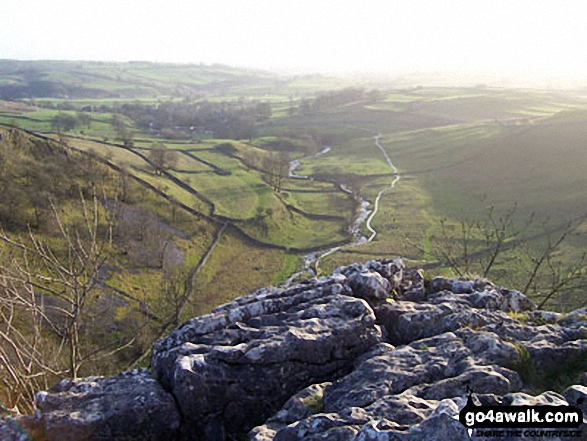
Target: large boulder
{"type": "Point", "coordinates": [448, 305]}
{"type": "Point", "coordinates": [130, 406]}
{"type": "Point", "coordinates": [232, 369]}
{"type": "Point", "coordinates": [367, 281]}
{"type": "Point", "coordinates": [394, 389]}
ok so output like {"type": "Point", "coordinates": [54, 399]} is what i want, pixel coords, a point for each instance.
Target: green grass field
{"type": "Point", "coordinates": [243, 196]}
{"type": "Point", "coordinates": [539, 166]}
{"type": "Point", "coordinates": [457, 151]}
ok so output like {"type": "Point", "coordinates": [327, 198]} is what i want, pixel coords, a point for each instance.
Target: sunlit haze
{"type": "Point", "coordinates": [537, 39]}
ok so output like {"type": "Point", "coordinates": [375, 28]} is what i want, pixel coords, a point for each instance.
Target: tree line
{"type": "Point", "coordinates": [227, 119]}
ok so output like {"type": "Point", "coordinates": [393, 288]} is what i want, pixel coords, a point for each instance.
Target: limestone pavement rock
{"type": "Point", "coordinates": [446, 344]}
{"type": "Point", "coordinates": [231, 370]}
{"type": "Point", "coordinates": [332, 358]}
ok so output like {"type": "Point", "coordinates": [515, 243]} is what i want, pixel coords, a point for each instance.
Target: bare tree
{"type": "Point", "coordinates": [495, 247]}
{"type": "Point", "coordinates": [25, 362]}
{"type": "Point", "coordinates": [162, 158]}
{"type": "Point", "coordinates": [175, 288]}
{"type": "Point", "coordinates": [477, 245]}
{"type": "Point", "coordinates": [275, 166]}
{"type": "Point", "coordinates": [45, 288]}
{"type": "Point", "coordinates": [123, 133]}
{"type": "Point", "coordinates": [548, 275]}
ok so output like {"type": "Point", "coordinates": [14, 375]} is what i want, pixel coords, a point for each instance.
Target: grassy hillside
{"type": "Point", "coordinates": [540, 166]}
{"type": "Point", "coordinates": [458, 150]}
{"type": "Point", "coordinates": [149, 272]}
{"type": "Point", "coordinates": [191, 167]}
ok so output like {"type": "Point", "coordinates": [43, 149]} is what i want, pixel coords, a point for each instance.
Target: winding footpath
{"type": "Point", "coordinates": [396, 178]}
{"type": "Point", "coordinates": [365, 215]}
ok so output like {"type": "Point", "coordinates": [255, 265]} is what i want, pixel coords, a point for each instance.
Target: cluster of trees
{"type": "Point", "coordinates": [275, 168]}
{"type": "Point", "coordinates": [162, 158]}
{"type": "Point", "coordinates": [227, 119]}
{"type": "Point", "coordinates": [273, 165]}
{"type": "Point", "coordinates": [32, 88]}
{"type": "Point", "coordinates": [65, 122]}
{"type": "Point", "coordinates": [32, 172]}
{"type": "Point", "coordinates": [233, 120]}
{"type": "Point", "coordinates": [123, 133]}
{"type": "Point", "coordinates": [62, 229]}
{"type": "Point", "coordinates": [180, 120]}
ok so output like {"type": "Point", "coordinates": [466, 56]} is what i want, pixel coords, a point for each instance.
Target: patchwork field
{"type": "Point", "coordinates": [457, 150]}
{"type": "Point", "coordinates": [211, 182]}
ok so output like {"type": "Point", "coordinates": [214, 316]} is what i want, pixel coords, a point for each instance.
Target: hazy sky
{"type": "Point", "coordinates": [511, 36]}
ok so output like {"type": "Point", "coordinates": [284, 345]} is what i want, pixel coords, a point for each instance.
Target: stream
{"type": "Point", "coordinates": [365, 216]}
{"type": "Point", "coordinates": [296, 163]}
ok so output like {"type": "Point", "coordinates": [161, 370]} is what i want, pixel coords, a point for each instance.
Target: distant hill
{"type": "Point", "coordinates": [147, 80]}
{"type": "Point", "coordinates": [85, 79]}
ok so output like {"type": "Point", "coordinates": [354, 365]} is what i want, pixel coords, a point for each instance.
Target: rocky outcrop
{"type": "Point", "coordinates": [130, 406]}
{"type": "Point", "coordinates": [252, 354]}
{"type": "Point", "coordinates": [372, 352]}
